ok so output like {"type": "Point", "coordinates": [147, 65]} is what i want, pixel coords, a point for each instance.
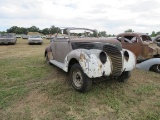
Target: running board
{"type": "Point", "coordinates": [58, 64]}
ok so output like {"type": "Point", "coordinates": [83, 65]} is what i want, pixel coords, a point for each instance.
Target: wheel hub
{"type": "Point", "coordinates": [77, 78]}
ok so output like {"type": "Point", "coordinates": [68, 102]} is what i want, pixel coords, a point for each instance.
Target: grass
{"type": "Point", "coordinates": [30, 89]}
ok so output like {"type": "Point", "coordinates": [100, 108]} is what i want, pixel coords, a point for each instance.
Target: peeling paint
{"type": "Point", "coordinates": [93, 67]}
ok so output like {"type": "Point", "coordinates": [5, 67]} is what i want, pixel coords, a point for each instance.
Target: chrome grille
{"type": "Point", "coordinates": [116, 58]}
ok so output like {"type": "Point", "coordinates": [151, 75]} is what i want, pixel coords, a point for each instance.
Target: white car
{"type": "Point", "coordinates": [35, 39]}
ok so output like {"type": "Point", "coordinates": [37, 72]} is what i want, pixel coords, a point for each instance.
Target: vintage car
{"type": "Point", "coordinates": [85, 56]}
{"type": "Point", "coordinates": [25, 36]}
{"type": "Point", "coordinates": [8, 38]}
{"type": "Point", "coordinates": [35, 39]}
{"type": "Point", "coordinates": [157, 40]}
{"type": "Point", "coordinates": [146, 51]}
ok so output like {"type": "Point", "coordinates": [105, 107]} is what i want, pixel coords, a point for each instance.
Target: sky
{"type": "Point", "coordinates": [112, 16]}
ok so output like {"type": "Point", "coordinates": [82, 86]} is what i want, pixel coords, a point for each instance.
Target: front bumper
{"type": "Point", "coordinates": [35, 41]}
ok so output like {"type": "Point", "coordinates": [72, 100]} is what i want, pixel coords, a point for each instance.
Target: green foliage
{"type": "Point", "coordinates": [22, 30]}
{"type": "Point", "coordinates": [129, 30]}
{"type": "Point", "coordinates": [153, 34]}
{"type": "Point", "coordinates": [102, 33]}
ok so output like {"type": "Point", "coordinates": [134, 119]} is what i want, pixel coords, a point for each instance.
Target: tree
{"type": "Point", "coordinates": [53, 29]}
{"type": "Point", "coordinates": [129, 30]}
{"type": "Point", "coordinates": [33, 29]}
{"type": "Point", "coordinates": [12, 29]}
{"type": "Point", "coordinates": [158, 33]}
{"type": "Point", "coordinates": [45, 31]}
{"type": "Point", "coordinates": [102, 34]}
{"type": "Point", "coordinates": [153, 34]}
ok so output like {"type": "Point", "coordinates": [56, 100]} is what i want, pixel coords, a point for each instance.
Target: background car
{"type": "Point", "coordinates": [35, 39]}
{"type": "Point", "coordinates": [25, 36]}
{"type": "Point", "coordinates": [146, 51]}
{"type": "Point", "coordinates": [7, 38]}
{"type": "Point", "coordinates": [85, 56]}
{"type": "Point", "coordinates": [157, 40]}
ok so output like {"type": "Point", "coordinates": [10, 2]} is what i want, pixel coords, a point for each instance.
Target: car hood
{"type": "Point", "coordinates": [7, 38]}
{"type": "Point", "coordinates": [98, 41]}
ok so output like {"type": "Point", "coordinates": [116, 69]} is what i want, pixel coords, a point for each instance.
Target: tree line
{"type": "Point", "coordinates": [45, 31]}
{"type": "Point", "coordinates": [153, 34]}
{"type": "Point", "coordinates": [53, 30]}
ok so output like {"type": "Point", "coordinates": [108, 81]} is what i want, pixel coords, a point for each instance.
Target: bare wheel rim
{"type": "Point", "coordinates": [77, 78]}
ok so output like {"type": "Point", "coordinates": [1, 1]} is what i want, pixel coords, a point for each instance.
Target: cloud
{"type": "Point", "coordinates": [112, 16]}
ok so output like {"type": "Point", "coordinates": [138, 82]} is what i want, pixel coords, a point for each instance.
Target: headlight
{"type": "Point", "coordinates": [103, 57]}
{"type": "Point", "coordinates": [126, 55]}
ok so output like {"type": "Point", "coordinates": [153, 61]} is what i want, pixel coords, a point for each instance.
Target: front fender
{"type": "Point", "coordinates": [90, 62]}
{"type": "Point", "coordinates": [129, 64]}
{"type": "Point", "coordinates": [146, 65]}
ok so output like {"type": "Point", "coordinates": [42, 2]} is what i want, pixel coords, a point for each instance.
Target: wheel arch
{"type": "Point", "coordinates": [71, 63]}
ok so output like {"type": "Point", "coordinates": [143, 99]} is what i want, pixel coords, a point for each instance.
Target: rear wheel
{"type": "Point", "coordinates": [79, 80]}
{"type": "Point", "coordinates": [124, 76]}
{"type": "Point", "coordinates": [155, 68]}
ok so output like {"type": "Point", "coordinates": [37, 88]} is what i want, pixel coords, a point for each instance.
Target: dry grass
{"type": "Point", "coordinates": [30, 89]}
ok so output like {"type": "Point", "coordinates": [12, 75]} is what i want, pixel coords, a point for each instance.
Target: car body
{"type": "Point", "coordinates": [18, 36]}
{"type": "Point", "coordinates": [49, 36]}
{"type": "Point", "coordinates": [85, 56]}
{"type": "Point", "coordinates": [25, 36]}
{"type": "Point", "coordinates": [7, 38]}
{"type": "Point", "coordinates": [157, 40]}
{"type": "Point", "coordinates": [146, 51]}
{"type": "Point", "coordinates": [35, 39]}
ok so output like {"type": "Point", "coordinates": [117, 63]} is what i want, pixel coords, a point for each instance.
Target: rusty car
{"type": "Point", "coordinates": [8, 38]}
{"type": "Point", "coordinates": [146, 51]}
{"type": "Point", "coordinates": [157, 40]}
{"type": "Point", "coordinates": [35, 39]}
{"type": "Point", "coordinates": [85, 56]}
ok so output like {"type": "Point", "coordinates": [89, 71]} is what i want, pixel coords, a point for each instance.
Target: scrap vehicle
{"type": "Point", "coordinates": [157, 40]}
{"type": "Point", "coordinates": [146, 51]}
{"type": "Point", "coordinates": [85, 56]}
{"type": "Point", "coordinates": [8, 38]}
{"type": "Point", "coordinates": [24, 36]}
{"type": "Point", "coordinates": [35, 39]}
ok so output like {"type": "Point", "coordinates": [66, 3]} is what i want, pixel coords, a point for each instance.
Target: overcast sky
{"type": "Point", "coordinates": [113, 16]}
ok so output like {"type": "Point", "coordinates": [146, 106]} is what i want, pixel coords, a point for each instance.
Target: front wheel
{"type": "Point", "coordinates": [155, 68]}
{"type": "Point", "coordinates": [79, 80]}
{"type": "Point", "coordinates": [124, 76]}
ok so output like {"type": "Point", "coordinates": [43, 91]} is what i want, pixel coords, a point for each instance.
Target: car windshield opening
{"type": "Point", "coordinates": [145, 38]}
{"type": "Point", "coordinates": [6, 35]}
{"type": "Point", "coordinates": [35, 36]}
{"type": "Point", "coordinates": [130, 39]}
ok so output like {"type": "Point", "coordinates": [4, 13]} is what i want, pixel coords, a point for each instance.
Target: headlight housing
{"type": "Point", "coordinates": [126, 55]}
{"type": "Point", "coordinates": [103, 57]}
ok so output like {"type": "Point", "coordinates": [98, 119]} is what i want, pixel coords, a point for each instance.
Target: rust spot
{"type": "Point", "coordinates": [82, 57]}
{"type": "Point", "coordinates": [100, 66]}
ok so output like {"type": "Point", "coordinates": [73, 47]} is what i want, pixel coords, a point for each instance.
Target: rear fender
{"type": "Point", "coordinates": [146, 65]}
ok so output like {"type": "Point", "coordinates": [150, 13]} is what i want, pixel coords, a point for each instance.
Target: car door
{"type": "Point", "coordinates": [61, 48]}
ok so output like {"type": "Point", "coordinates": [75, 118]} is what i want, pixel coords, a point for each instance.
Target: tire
{"type": "Point", "coordinates": [124, 76]}
{"type": "Point", "coordinates": [79, 80]}
{"type": "Point", "coordinates": [155, 68]}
